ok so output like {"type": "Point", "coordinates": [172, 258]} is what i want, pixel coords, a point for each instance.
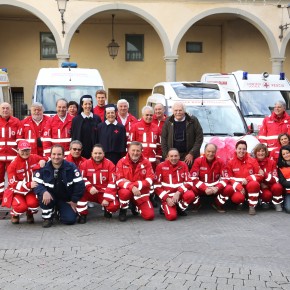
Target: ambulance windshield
{"type": "Point", "coordinates": [48, 95]}
{"type": "Point", "coordinates": [221, 120]}
{"type": "Point", "coordinates": [259, 103]}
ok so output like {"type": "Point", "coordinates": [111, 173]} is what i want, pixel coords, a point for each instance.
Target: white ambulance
{"type": "Point", "coordinates": [5, 90]}
{"type": "Point", "coordinates": [217, 113]}
{"type": "Point", "coordinates": [67, 82]}
{"type": "Point", "coordinates": [255, 94]}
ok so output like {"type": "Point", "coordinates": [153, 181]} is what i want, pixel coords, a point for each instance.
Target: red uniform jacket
{"type": "Point", "coordinates": [31, 131]}
{"type": "Point", "coordinates": [142, 177]}
{"type": "Point", "coordinates": [20, 173]}
{"type": "Point", "coordinates": [77, 161]}
{"type": "Point", "coordinates": [274, 154]}
{"type": "Point", "coordinates": [100, 111]}
{"type": "Point", "coordinates": [9, 133]}
{"type": "Point", "coordinates": [57, 132]}
{"type": "Point", "coordinates": [157, 122]}
{"type": "Point", "coordinates": [271, 128]}
{"type": "Point", "coordinates": [150, 136]}
{"type": "Point", "coordinates": [129, 123]}
{"type": "Point", "coordinates": [236, 170]}
{"type": "Point", "coordinates": [170, 178]}
{"type": "Point", "coordinates": [101, 176]}
{"type": "Point", "coordinates": [269, 167]}
{"type": "Point", "coordinates": [205, 174]}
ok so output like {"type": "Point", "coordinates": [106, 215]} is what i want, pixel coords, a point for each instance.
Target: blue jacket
{"type": "Point", "coordinates": [71, 177]}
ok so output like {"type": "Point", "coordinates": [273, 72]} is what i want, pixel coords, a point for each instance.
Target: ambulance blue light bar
{"type": "Point", "coordinates": [4, 69]}
{"type": "Point", "coordinates": [69, 64]}
{"type": "Point", "coordinates": [245, 75]}
{"type": "Point", "coordinates": [282, 76]}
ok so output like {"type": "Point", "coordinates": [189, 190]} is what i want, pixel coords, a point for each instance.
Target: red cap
{"type": "Point", "coordinates": [23, 144]}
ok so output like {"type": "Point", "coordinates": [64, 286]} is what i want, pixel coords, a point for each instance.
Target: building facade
{"type": "Point", "coordinates": [159, 41]}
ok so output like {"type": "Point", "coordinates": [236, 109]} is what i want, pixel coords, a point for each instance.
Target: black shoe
{"type": "Point", "coordinates": [153, 200]}
{"type": "Point", "coordinates": [161, 211]}
{"type": "Point", "coordinates": [82, 219]}
{"type": "Point", "coordinates": [133, 209]}
{"type": "Point", "coordinates": [107, 214]}
{"type": "Point", "coordinates": [180, 212]}
{"type": "Point", "coordinates": [123, 215]}
{"type": "Point", "coordinates": [47, 223]}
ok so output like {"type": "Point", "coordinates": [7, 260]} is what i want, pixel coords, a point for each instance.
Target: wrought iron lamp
{"type": "Point", "coordinates": [61, 4]}
{"type": "Point", "coordinates": [113, 46]}
{"type": "Point", "coordinates": [286, 25]}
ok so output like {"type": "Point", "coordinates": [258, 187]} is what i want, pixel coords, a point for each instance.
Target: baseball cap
{"type": "Point", "coordinates": [23, 144]}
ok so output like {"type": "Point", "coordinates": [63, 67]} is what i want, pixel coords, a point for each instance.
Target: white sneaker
{"type": "Point", "coordinates": [278, 207]}
{"type": "Point", "coordinates": [91, 204]}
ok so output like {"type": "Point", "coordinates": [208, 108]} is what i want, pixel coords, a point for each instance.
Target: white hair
{"type": "Point", "coordinates": [122, 101]}
{"type": "Point", "coordinates": [145, 108]}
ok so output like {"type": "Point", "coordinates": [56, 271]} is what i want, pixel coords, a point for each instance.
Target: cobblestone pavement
{"type": "Point", "coordinates": [204, 250]}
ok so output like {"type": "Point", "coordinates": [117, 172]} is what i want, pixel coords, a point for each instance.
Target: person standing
{"type": "Point", "coordinates": [99, 109]}
{"type": "Point", "coordinates": [173, 186]}
{"type": "Point", "coordinates": [112, 136]}
{"type": "Point", "coordinates": [124, 117]}
{"type": "Point", "coordinates": [84, 126]}
{"type": "Point", "coordinates": [277, 123]}
{"type": "Point", "coordinates": [59, 186]}
{"type": "Point", "coordinates": [283, 140]}
{"type": "Point", "coordinates": [99, 175]}
{"type": "Point", "coordinates": [58, 129]}
{"type": "Point", "coordinates": [9, 128]}
{"type": "Point", "coordinates": [134, 177]}
{"type": "Point", "coordinates": [73, 107]}
{"type": "Point", "coordinates": [32, 128]}
{"type": "Point", "coordinates": [159, 117]}
{"type": "Point", "coordinates": [20, 177]}
{"type": "Point", "coordinates": [182, 132]}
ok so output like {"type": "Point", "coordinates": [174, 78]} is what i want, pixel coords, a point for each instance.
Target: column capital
{"type": "Point", "coordinates": [171, 58]}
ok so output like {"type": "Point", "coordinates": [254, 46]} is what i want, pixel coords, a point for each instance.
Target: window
{"type": "Point", "coordinates": [193, 47]}
{"type": "Point", "coordinates": [48, 48]}
{"type": "Point", "coordinates": [134, 47]}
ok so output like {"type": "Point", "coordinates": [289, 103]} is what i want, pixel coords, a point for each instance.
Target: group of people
{"type": "Point", "coordinates": [105, 155]}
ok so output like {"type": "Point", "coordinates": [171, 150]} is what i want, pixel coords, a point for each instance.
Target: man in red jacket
{"type": "Point", "coordinates": [99, 175]}
{"type": "Point", "coordinates": [134, 175]}
{"type": "Point", "coordinates": [206, 174]}
{"type": "Point", "coordinates": [75, 148]}
{"type": "Point", "coordinates": [32, 128]}
{"type": "Point", "coordinates": [58, 129]}
{"type": "Point", "coordinates": [272, 126]}
{"type": "Point", "coordinates": [173, 185]}
{"type": "Point", "coordinates": [20, 177]}
{"type": "Point", "coordinates": [99, 109]}
{"type": "Point", "coordinates": [159, 117]}
{"type": "Point", "coordinates": [9, 128]}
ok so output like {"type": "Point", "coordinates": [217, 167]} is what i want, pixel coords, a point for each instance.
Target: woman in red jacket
{"type": "Point", "coordinates": [244, 176]}
{"type": "Point", "coordinates": [271, 189]}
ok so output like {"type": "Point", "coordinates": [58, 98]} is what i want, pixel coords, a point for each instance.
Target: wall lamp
{"type": "Point", "coordinates": [61, 4]}
{"type": "Point", "coordinates": [113, 46]}
{"type": "Point", "coordinates": [286, 25]}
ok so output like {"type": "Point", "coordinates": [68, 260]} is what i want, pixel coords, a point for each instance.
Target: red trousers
{"type": "Point", "coordinates": [252, 193]}
{"type": "Point", "coordinates": [143, 203]}
{"type": "Point", "coordinates": [24, 203]}
{"type": "Point", "coordinates": [274, 193]}
{"type": "Point", "coordinates": [3, 169]}
{"type": "Point", "coordinates": [82, 205]}
{"type": "Point", "coordinates": [219, 198]}
{"type": "Point", "coordinates": [170, 212]}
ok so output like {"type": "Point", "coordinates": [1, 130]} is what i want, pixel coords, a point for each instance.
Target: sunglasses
{"type": "Point", "coordinates": [55, 173]}
{"type": "Point", "coordinates": [77, 149]}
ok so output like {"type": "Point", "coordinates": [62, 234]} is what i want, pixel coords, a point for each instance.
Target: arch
{"type": "Point", "coordinates": [38, 14]}
{"type": "Point", "coordinates": [285, 41]}
{"type": "Point", "coordinates": [135, 10]}
{"type": "Point", "coordinates": [254, 20]}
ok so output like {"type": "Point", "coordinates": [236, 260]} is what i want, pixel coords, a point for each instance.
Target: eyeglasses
{"type": "Point", "coordinates": [77, 149]}
{"type": "Point", "coordinates": [55, 173]}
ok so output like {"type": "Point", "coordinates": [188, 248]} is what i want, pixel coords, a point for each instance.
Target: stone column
{"type": "Point", "coordinates": [277, 64]}
{"type": "Point", "coordinates": [62, 58]}
{"type": "Point", "coordinates": [171, 67]}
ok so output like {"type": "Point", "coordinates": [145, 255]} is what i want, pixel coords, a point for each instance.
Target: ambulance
{"type": "Point", "coordinates": [255, 94]}
{"type": "Point", "coordinates": [5, 90]}
{"type": "Point", "coordinates": [219, 116]}
{"type": "Point", "coordinates": [69, 82]}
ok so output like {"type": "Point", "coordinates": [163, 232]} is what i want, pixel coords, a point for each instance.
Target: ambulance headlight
{"type": "Point", "coordinates": [69, 64]}
{"type": "Point", "coordinates": [245, 75]}
{"type": "Point", "coordinates": [282, 76]}
{"type": "Point", "coordinates": [265, 75]}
